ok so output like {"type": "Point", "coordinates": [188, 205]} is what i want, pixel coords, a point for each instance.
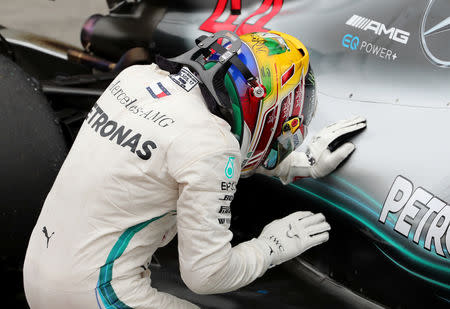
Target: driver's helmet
{"type": "Point", "coordinates": [270, 128]}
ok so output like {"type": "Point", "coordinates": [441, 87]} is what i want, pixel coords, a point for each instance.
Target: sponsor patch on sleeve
{"type": "Point", "coordinates": [185, 79]}
{"type": "Point", "coordinates": [158, 90]}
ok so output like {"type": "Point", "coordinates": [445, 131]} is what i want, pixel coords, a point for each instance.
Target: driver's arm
{"type": "Point", "coordinates": [208, 262]}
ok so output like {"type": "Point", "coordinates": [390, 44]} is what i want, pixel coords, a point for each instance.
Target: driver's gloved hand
{"type": "Point", "coordinates": [290, 236]}
{"type": "Point", "coordinates": [322, 160]}
{"type": "Point", "coordinates": [324, 153]}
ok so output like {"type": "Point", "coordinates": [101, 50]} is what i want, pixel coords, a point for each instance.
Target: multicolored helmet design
{"type": "Point", "coordinates": [272, 126]}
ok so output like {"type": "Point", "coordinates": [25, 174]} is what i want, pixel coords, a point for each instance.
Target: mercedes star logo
{"type": "Point", "coordinates": [437, 29]}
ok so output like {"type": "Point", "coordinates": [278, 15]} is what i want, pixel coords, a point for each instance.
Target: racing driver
{"type": "Point", "coordinates": [161, 152]}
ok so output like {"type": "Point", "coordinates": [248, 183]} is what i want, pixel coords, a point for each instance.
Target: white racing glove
{"type": "Point", "coordinates": [319, 160]}
{"type": "Point", "coordinates": [322, 161]}
{"type": "Point", "coordinates": [292, 235]}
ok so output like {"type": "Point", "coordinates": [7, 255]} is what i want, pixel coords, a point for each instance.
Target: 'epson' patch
{"type": "Point", "coordinates": [185, 79]}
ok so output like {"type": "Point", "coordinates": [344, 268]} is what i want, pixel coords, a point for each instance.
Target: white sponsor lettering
{"type": "Point", "coordinates": [437, 229]}
{"type": "Point", "coordinates": [378, 28]}
{"type": "Point", "coordinates": [410, 210]}
{"type": "Point", "coordinates": [377, 51]}
{"type": "Point", "coordinates": [418, 211]}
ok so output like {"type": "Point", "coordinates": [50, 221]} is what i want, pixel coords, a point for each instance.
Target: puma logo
{"type": "Point", "coordinates": [46, 234]}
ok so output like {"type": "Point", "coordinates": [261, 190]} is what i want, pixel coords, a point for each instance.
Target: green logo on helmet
{"type": "Point", "coordinates": [229, 168]}
{"type": "Point", "coordinates": [275, 46]}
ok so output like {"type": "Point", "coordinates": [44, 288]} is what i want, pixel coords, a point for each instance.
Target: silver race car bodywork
{"type": "Point", "coordinates": [388, 61]}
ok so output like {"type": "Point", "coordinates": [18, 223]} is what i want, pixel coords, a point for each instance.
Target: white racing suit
{"type": "Point", "coordinates": [150, 160]}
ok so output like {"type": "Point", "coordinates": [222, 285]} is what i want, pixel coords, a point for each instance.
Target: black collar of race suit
{"type": "Point", "coordinates": [213, 80]}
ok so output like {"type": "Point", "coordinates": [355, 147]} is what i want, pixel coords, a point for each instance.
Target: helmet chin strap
{"type": "Point", "coordinates": [213, 78]}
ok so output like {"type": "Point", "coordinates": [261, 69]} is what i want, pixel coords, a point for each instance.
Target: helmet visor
{"type": "Point", "coordinates": [293, 132]}
{"type": "Point", "coordinates": [310, 100]}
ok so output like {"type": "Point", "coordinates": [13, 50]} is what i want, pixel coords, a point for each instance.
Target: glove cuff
{"type": "Point", "coordinates": [264, 247]}
{"type": "Point", "coordinates": [299, 167]}
{"type": "Point", "coordinates": [296, 165]}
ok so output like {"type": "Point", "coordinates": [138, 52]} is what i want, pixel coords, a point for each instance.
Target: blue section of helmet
{"type": "Point", "coordinates": [247, 58]}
